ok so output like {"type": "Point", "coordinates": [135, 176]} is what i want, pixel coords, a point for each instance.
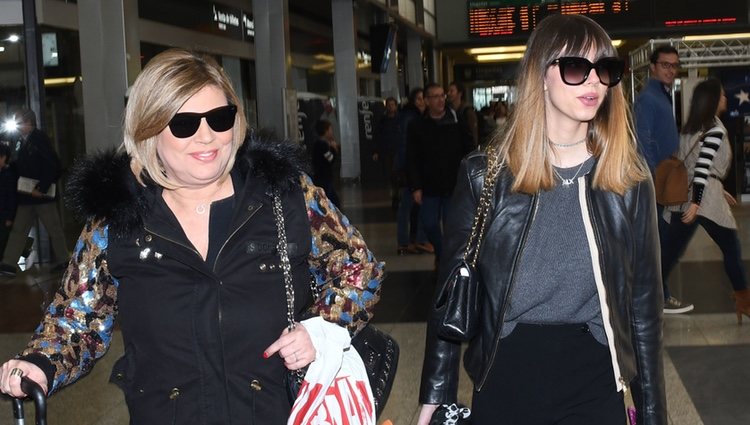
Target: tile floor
{"type": "Point", "coordinates": [699, 279]}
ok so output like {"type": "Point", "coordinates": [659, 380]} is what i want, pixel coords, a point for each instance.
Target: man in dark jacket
{"type": "Point", "coordinates": [38, 164]}
{"type": "Point", "coordinates": [437, 143]}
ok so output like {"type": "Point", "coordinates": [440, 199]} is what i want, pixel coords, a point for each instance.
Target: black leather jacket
{"type": "Point", "coordinates": [627, 271]}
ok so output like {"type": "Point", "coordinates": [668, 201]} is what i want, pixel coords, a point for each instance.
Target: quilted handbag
{"type": "Point", "coordinates": [457, 303]}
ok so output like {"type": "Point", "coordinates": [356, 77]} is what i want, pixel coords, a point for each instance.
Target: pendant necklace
{"type": "Point", "coordinates": [566, 145]}
{"type": "Point", "coordinates": [568, 182]}
{"type": "Point", "coordinates": [201, 209]}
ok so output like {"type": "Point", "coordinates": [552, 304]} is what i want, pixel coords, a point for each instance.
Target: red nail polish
{"type": "Point", "coordinates": [265, 355]}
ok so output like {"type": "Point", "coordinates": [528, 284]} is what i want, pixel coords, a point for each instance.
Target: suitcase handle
{"type": "Point", "coordinates": [36, 393]}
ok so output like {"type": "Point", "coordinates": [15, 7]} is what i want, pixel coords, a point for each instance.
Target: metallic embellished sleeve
{"type": "Point", "coordinates": [346, 273]}
{"type": "Point", "coordinates": [77, 327]}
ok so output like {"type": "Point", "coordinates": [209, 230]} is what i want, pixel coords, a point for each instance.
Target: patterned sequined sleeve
{"type": "Point", "coordinates": [346, 273]}
{"type": "Point", "coordinates": [77, 327]}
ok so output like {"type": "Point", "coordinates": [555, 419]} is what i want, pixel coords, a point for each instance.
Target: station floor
{"type": "Point", "coordinates": [707, 355]}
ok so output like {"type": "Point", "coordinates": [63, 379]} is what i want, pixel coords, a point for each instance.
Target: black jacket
{"type": "Point", "coordinates": [194, 332]}
{"type": "Point", "coordinates": [434, 152]}
{"type": "Point", "coordinates": [624, 228]}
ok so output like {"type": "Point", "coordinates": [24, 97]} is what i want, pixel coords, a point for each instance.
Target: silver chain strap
{"type": "Point", "coordinates": [286, 265]}
{"type": "Point", "coordinates": [483, 207]}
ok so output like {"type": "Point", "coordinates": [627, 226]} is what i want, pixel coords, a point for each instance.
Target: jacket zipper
{"type": "Point", "coordinates": [253, 211]}
{"type": "Point", "coordinates": [600, 285]}
{"type": "Point", "coordinates": [535, 207]}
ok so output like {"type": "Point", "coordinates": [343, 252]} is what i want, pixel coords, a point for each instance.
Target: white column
{"type": "Point", "coordinates": [273, 62]}
{"type": "Point", "coordinates": [104, 70]}
{"type": "Point", "coordinates": [414, 60]}
{"type": "Point", "coordinates": [344, 50]}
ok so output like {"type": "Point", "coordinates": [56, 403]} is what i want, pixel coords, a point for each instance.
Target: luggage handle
{"type": "Point", "coordinates": [35, 392]}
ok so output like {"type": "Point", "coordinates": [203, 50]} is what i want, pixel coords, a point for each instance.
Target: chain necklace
{"type": "Point", "coordinates": [566, 145]}
{"type": "Point", "coordinates": [570, 181]}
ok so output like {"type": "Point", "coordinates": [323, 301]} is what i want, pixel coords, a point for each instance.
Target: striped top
{"type": "Point", "coordinates": [710, 144]}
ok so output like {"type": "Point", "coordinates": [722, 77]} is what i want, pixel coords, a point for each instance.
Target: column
{"type": "Point", "coordinates": [273, 73]}
{"type": "Point", "coordinates": [132, 40]}
{"type": "Point", "coordinates": [389, 79]}
{"type": "Point", "coordinates": [415, 76]}
{"type": "Point", "coordinates": [33, 58]}
{"type": "Point", "coordinates": [233, 69]}
{"type": "Point", "coordinates": [344, 50]}
{"type": "Point", "coordinates": [104, 70]}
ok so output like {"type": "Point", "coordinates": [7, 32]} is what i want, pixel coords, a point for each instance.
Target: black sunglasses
{"type": "Point", "coordinates": [185, 124]}
{"type": "Point", "coordinates": [575, 71]}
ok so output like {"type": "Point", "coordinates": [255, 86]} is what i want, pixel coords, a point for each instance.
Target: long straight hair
{"type": "Point", "coordinates": [703, 106]}
{"type": "Point", "coordinates": [523, 146]}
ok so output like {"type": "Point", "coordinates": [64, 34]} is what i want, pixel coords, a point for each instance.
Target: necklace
{"type": "Point", "coordinates": [568, 182]}
{"type": "Point", "coordinates": [566, 145]}
{"type": "Point", "coordinates": [201, 209]}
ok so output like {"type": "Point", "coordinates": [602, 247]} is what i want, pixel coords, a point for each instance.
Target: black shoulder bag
{"type": "Point", "coordinates": [378, 350]}
{"type": "Point", "coordinates": [457, 305]}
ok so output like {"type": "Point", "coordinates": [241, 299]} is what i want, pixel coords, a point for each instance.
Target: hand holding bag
{"type": "Point", "coordinates": [457, 305]}
{"type": "Point", "coordinates": [378, 350]}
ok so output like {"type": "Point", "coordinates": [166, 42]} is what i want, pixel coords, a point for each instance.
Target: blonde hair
{"type": "Point", "coordinates": [611, 139]}
{"type": "Point", "coordinates": [165, 84]}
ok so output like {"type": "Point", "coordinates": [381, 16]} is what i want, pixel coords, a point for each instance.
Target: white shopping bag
{"type": "Point", "coordinates": [336, 390]}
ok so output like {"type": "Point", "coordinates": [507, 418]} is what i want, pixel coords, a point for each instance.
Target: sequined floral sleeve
{"type": "Point", "coordinates": [77, 327]}
{"type": "Point", "coordinates": [346, 273]}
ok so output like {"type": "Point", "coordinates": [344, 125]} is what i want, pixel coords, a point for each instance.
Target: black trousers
{"type": "Point", "coordinates": [550, 375]}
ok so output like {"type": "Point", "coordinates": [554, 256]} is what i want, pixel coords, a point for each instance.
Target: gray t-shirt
{"type": "Point", "coordinates": [555, 278]}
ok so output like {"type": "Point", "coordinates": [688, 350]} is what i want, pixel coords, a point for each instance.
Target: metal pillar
{"type": "Point", "coordinates": [33, 57]}
{"type": "Point", "coordinates": [344, 50]}
{"type": "Point", "coordinates": [104, 70]}
{"type": "Point", "coordinates": [414, 60]}
{"type": "Point", "coordinates": [273, 56]}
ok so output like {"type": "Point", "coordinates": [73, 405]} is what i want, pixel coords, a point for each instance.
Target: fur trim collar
{"type": "Point", "coordinates": [102, 186]}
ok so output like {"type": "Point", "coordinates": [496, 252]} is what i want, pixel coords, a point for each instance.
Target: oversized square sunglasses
{"type": "Point", "coordinates": [185, 124]}
{"type": "Point", "coordinates": [575, 71]}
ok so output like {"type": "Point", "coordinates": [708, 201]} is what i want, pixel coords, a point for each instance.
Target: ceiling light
{"type": "Point", "coordinates": [499, 57]}
{"type": "Point", "coordinates": [716, 36]}
{"type": "Point", "coordinates": [324, 57]}
{"type": "Point", "coordinates": [61, 81]}
{"type": "Point", "coordinates": [617, 43]}
{"type": "Point", "coordinates": [496, 49]}
{"type": "Point", "coordinates": [2, 49]}
{"type": "Point", "coordinates": [13, 38]}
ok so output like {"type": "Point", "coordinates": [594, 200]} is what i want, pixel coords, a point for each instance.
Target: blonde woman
{"type": "Point", "coordinates": [571, 295]}
{"type": "Point", "coordinates": [180, 246]}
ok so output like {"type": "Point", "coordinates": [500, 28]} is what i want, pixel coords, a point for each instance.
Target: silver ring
{"type": "Point", "coordinates": [16, 372]}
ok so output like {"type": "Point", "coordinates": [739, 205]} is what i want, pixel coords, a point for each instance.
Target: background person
{"type": "Point", "coordinates": [437, 142]}
{"type": "Point", "coordinates": [571, 302]}
{"type": "Point", "coordinates": [7, 195]}
{"type": "Point", "coordinates": [658, 138]}
{"type": "Point", "coordinates": [325, 151]}
{"type": "Point", "coordinates": [387, 134]}
{"type": "Point", "coordinates": [180, 245]}
{"type": "Point", "coordinates": [409, 230]}
{"type": "Point", "coordinates": [36, 160]}
{"type": "Point", "coordinates": [708, 156]}
{"type": "Point", "coordinates": [467, 116]}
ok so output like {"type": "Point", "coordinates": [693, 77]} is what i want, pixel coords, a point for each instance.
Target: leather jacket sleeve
{"type": "Point", "coordinates": [441, 359]}
{"type": "Point", "coordinates": [647, 295]}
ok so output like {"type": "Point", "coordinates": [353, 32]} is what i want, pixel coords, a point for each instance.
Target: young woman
{"type": "Point", "coordinates": [707, 155]}
{"type": "Point", "coordinates": [571, 296]}
{"type": "Point", "coordinates": [180, 246]}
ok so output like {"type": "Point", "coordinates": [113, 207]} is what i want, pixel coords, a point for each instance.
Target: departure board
{"type": "Point", "coordinates": [492, 18]}
{"type": "Point", "coordinates": [515, 19]}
